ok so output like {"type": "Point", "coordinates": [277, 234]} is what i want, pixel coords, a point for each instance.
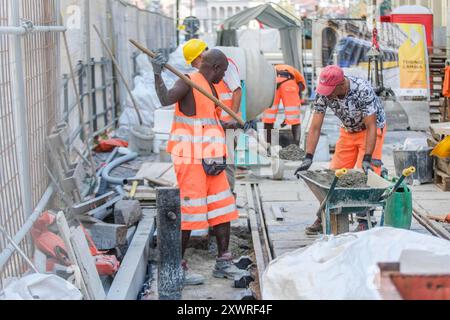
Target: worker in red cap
{"type": "Point", "coordinates": [361, 139]}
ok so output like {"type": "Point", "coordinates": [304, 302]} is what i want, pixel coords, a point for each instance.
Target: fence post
{"type": "Point", "coordinates": [87, 17]}
{"type": "Point", "coordinates": [20, 115]}
{"type": "Point", "coordinates": [104, 94]}
{"type": "Point", "coordinates": [66, 111]}
{"type": "Point", "coordinates": [81, 97]}
{"type": "Point", "coordinates": [93, 94]}
{"type": "Point", "coordinates": [168, 224]}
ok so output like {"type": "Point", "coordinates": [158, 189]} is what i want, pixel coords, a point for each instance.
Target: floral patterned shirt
{"type": "Point", "coordinates": [360, 102]}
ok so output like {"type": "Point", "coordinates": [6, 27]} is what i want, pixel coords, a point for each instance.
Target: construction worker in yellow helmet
{"type": "Point", "coordinates": [229, 90]}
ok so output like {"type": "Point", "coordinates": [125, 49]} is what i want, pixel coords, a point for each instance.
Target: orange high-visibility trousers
{"type": "Point", "coordinates": [289, 94]}
{"type": "Point", "coordinates": [350, 150]}
{"type": "Point", "coordinates": [206, 201]}
{"type": "Point", "coordinates": [446, 84]}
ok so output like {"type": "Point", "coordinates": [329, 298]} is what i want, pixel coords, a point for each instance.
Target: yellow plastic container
{"type": "Point", "coordinates": [442, 150]}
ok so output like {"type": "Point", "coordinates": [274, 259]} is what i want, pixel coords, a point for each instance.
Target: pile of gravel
{"type": "Point", "coordinates": [352, 180]}
{"type": "Point", "coordinates": [292, 153]}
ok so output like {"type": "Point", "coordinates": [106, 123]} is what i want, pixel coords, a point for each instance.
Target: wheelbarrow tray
{"type": "Point", "coordinates": [349, 199]}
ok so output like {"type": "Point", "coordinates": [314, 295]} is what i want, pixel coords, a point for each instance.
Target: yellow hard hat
{"type": "Point", "coordinates": [193, 49]}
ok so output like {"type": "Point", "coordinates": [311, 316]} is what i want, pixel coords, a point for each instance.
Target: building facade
{"type": "Point", "coordinates": [439, 7]}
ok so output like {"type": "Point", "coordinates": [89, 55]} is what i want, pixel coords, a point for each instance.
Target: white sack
{"type": "Point", "coordinates": [41, 287]}
{"type": "Point", "coordinates": [342, 267]}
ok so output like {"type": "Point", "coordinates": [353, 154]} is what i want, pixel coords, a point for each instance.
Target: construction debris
{"type": "Point", "coordinates": [127, 212]}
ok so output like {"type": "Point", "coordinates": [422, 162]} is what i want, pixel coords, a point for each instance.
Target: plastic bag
{"type": "Point", "coordinates": [41, 287]}
{"type": "Point", "coordinates": [342, 267]}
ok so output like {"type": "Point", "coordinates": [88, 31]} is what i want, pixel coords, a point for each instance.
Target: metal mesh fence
{"type": "Point", "coordinates": [11, 211]}
{"type": "Point", "coordinates": [41, 88]}
{"type": "Point", "coordinates": [48, 95]}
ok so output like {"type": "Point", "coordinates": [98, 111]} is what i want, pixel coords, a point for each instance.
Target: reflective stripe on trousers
{"type": "Point", "coordinates": [206, 201]}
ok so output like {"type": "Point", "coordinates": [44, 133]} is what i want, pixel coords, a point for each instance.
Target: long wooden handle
{"type": "Point", "coordinates": [191, 83]}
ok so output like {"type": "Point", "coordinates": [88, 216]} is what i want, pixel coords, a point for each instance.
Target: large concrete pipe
{"type": "Point", "coordinates": [259, 76]}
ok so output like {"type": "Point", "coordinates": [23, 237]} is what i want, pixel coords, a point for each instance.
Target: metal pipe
{"type": "Point", "coordinates": [108, 161]}
{"type": "Point", "coordinates": [20, 31]}
{"type": "Point", "coordinates": [24, 256]}
{"type": "Point", "coordinates": [107, 170]}
{"type": "Point", "coordinates": [87, 38]}
{"type": "Point", "coordinates": [20, 114]}
{"type": "Point", "coordinates": [20, 235]}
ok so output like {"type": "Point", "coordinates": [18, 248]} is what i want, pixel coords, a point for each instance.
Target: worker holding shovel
{"type": "Point", "coordinates": [229, 92]}
{"type": "Point", "coordinates": [361, 139]}
{"type": "Point", "coordinates": [198, 149]}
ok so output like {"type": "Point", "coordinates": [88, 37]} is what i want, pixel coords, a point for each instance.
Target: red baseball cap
{"type": "Point", "coordinates": [330, 78]}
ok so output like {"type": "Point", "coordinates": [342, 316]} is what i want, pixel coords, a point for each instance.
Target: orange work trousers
{"type": "Point", "coordinates": [350, 150]}
{"type": "Point", "coordinates": [206, 201]}
{"type": "Point", "coordinates": [288, 93]}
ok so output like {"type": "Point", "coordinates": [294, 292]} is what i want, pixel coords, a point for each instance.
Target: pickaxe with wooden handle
{"type": "Point", "coordinates": [194, 85]}
{"type": "Point", "coordinates": [191, 83]}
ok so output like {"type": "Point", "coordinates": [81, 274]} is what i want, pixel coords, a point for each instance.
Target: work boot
{"type": "Point", "coordinates": [190, 278]}
{"type": "Point", "coordinates": [315, 229]}
{"type": "Point", "coordinates": [225, 268]}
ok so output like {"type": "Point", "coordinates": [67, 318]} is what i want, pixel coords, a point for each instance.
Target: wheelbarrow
{"type": "Point", "coordinates": [344, 201]}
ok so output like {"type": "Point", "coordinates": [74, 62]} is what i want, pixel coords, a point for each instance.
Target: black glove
{"type": "Point", "coordinates": [158, 63]}
{"type": "Point", "coordinates": [367, 163]}
{"type": "Point", "coordinates": [249, 125]}
{"type": "Point", "coordinates": [306, 164]}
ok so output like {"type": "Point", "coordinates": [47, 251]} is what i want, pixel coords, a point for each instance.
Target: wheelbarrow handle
{"type": "Point", "coordinates": [339, 174]}
{"type": "Point", "coordinates": [406, 173]}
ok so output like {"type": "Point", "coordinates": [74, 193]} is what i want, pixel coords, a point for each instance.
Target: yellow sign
{"type": "Point", "coordinates": [412, 60]}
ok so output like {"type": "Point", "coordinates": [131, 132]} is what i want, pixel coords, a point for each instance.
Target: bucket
{"type": "Point", "coordinates": [163, 120]}
{"type": "Point", "coordinates": [160, 138]}
{"type": "Point", "coordinates": [420, 159]}
{"type": "Point", "coordinates": [141, 140]}
{"type": "Point", "coordinates": [398, 210]}
{"type": "Point", "coordinates": [164, 156]}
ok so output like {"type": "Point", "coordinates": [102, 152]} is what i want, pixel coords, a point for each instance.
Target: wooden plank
{"type": "Point", "coordinates": [442, 180]}
{"type": "Point", "coordinates": [443, 165]}
{"type": "Point", "coordinates": [256, 239]}
{"type": "Point", "coordinates": [64, 232]}
{"type": "Point", "coordinates": [440, 129]}
{"type": "Point", "coordinates": [86, 262]}
{"type": "Point", "coordinates": [339, 224]}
